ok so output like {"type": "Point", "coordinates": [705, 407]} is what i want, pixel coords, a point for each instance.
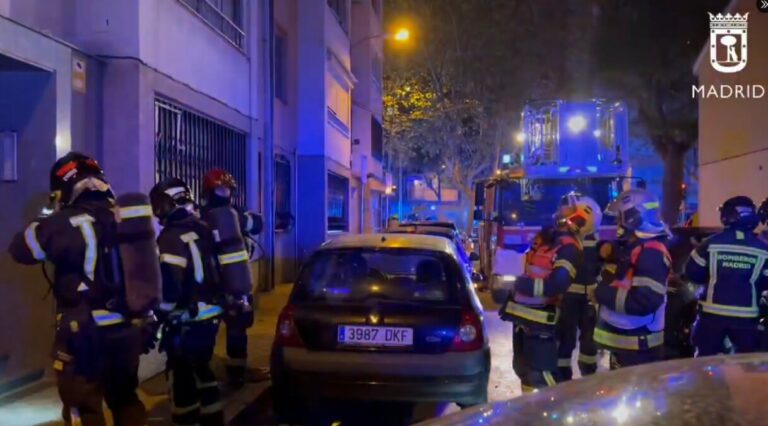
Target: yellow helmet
{"type": "Point", "coordinates": [579, 214]}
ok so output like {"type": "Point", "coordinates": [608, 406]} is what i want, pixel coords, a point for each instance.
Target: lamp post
{"type": "Point", "coordinates": [402, 35]}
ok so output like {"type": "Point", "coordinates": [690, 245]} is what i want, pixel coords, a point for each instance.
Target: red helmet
{"type": "Point", "coordinates": [218, 178]}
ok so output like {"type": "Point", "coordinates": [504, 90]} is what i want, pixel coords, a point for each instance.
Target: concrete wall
{"type": "Point", "coordinates": [733, 150]}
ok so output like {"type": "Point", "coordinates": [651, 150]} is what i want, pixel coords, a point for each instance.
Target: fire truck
{"type": "Point", "coordinates": [566, 146]}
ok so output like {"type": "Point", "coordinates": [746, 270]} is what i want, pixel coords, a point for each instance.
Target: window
{"type": "Point", "coordinates": [281, 69]}
{"type": "Point", "coordinates": [376, 69]}
{"type": "Point", "coordinates": [377, 139]}
{"type": "Point", "coordinates": [187, 145]}
{"type": "Point", "coordinates": [393, 274]}
{"type": "Point", "coordinates": [339, 8]}
{"type": "Point", "coordinates": [339, 105]}
{"type": "Point", "coordinates": [225, 16]}
{"type": "Point", "coordinates": [283, 213]}
{"type": "Point", "coordinates": [337, 202]}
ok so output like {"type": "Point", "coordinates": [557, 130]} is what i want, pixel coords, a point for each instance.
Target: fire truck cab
{"type": "Point", "coordinates": [566, 146]}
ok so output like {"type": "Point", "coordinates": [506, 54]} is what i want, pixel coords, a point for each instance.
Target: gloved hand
{"type": "Point", "coordinates": [149, 326]}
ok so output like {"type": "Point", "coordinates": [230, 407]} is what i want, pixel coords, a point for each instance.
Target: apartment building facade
{"type": "Point", "coordinates": [732, 149]}
{"type": "Point", "coordinates": [154, 88]}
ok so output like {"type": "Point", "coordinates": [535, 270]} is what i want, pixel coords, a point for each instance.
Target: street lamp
{"type": "Point", "coordinates": [402, 35]}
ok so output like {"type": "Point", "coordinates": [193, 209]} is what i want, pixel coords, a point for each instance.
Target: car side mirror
{"type": "Point", "coordinates": [474, 257]}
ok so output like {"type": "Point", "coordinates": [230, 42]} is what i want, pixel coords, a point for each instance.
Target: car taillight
{"type": "Point", "coordinates": [286, 333]}
{"type": "Point", "coordinates": [469, 336]}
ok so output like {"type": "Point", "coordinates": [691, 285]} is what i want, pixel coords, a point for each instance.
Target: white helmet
{"type": "Point", "coordinates": [579, 213]}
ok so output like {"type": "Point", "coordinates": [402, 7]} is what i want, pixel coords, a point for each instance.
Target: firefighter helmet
{"type": "Point", "coordinates": [739, 212]}
{"type": "Point", "coordinates": [74, 174]}
{"type": "Point", "coordinates": [638, 212]}
{"type": "Point", "coordinates": [169, 195]}
{"type": "Point", "coordinates": [218, 182]}
{"type": "Point", "coordinates": [579, 214]}
{"type": "Point", "coordinates": [762, 212]}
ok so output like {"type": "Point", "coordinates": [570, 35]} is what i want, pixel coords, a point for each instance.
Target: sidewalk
{"type": "Point", "coordinates": [39, 404]}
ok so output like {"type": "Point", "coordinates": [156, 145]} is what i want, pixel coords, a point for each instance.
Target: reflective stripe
{"type": "Point", "coordinates": [197, 259]}
{"type": "Point", "coordinates": [538, 287]}
{"type": "Point", "coordinates": [168, 307]}
{"type": "Point", "coordinates": [85, 223]}
{"type": "Point", "coordinates": [240, 256]}
{"type": "Point", "coordinates": [527, 389]}
{"type": "Point", "coordinates": [737, 249]}
{"type": "Point", "coordinates": [135, 211]}
{"type": "Point", "coordinates": [58, 365]}
{"type": "Point", "coordinates": [651, 205]}
{"type": "Point", "coordinates": [530, 314]}
{"type": "Point", "coordinates": [589, 243]}
{"type": "Point", "coordinates": [698, 259]}
{"type": "Point", "coordinates": [237, 362]}
{"type": "Point", "coordinates": [184, 410]}
{"type": "Point", "coordinates": [587, 359]}
{"type": "Point", "coordinates": [204, 312]}
{"type": "Point", "coordinates": [621, 300]}
{"type": "Point", "coordinates": [30, 236]}
{"type": "Point", "coordinates": [207, 385]}
{"type": "Point", "coordinates": [564, 362]}
{"type": "Point", "coordinates": [610, 267]}
{"type": "Point", "coordinates": [627, 342]}
{"type": "Point", "coordinates": [739, 235]}
{"type": "Point", "coordinates": [577, 288]}
{"type": "Point", "coordinates": [172, 259]}
{"type": "Point", "coordinates": [212, 408]}
{"type": "Point", "coordinates": [647, 282]}
{"type": "Point", "coordinates": [730, 311]}
{"type": "Point", "coordinates": [104, 317]}
{"type": "Point", "coordinates": [562, 263]}
{"type": "Point", "coordinates": [548, 378]}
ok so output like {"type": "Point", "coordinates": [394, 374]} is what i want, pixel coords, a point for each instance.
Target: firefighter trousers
{"type": "Point", "coordinates": [534, 357]}
{"type": "Point", "coordinates": [710, 331]}
{"type": "Point", "coordinates": [194, 391]}
{"type": "Point", "coordinates": [622, 359]}
{"type": "Point", "coordinates": [111, 375]}
{"type": "Point", "coordinates": [576, 322]}
{"type": "Point", "coordinates": [237, 323]}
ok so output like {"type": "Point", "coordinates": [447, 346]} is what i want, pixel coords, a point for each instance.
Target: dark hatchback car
{"type": "Point", "coordinates": [388, 317]}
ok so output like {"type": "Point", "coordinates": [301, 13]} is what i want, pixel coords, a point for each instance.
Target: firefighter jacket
{"type": "Point", "coordinates": [586, 275]}
{"type": "Point", "coordinates": [550, 270]}
{"type": "Point", "coordinates": [731, 269]}
{"type": "Point", "coordinates": [250, 222]}
{"type": "Point", "coordinates": [187, 264]}
{"type": "Point", "coordinates": [79, 241]}
{"type": "Point", "coordinates": [632, 296]}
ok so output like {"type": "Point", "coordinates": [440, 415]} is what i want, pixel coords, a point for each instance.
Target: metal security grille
{"type": "Point", "coordinates": [187, 145]}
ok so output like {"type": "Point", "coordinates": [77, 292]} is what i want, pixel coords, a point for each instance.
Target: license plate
{"type": "Point", "coordinates": [375, 336]}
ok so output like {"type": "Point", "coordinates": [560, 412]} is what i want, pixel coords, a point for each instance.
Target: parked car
{"type": "Point", "coordinates": [389, 317]}
{"type": "Point", "coordinates": [721, 390]}
{"type": "Point", "coordinates": [440, 231]}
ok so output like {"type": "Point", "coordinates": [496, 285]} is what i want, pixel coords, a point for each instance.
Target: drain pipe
{"type": "Point", "coordinates": [268, 19]}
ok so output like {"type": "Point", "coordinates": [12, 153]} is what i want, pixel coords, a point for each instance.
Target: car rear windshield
{"type": "Point", "coordinates": [357, 275]}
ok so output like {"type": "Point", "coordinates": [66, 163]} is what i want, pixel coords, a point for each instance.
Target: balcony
{"type": "Point", "coordinates": [221, 18]}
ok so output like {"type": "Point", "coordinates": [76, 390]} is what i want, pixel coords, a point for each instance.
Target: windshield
{"type": "Point", "coordinates": [355, 275]}
{"type": "Point", "coordinates": [535, 204]}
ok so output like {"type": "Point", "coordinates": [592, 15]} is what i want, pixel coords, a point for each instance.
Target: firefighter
{"type": "Point", "coordinates": [190, 317]}
{"type": "Point", "coordinates": [577, 313]}
{"type": "Point", "coordinates": [551, 267]}
{"type": "Point", "coordinates": [730, 269]}
{"type": "Point", "coordinates": [97, 347]}
{"type": "Point", "coordinates": [219, 187]}
{"type": "Point", "coordinates": [632, 287]}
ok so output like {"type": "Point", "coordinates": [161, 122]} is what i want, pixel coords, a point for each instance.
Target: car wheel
{"type": "Point", "coordinates": [287, 406]}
